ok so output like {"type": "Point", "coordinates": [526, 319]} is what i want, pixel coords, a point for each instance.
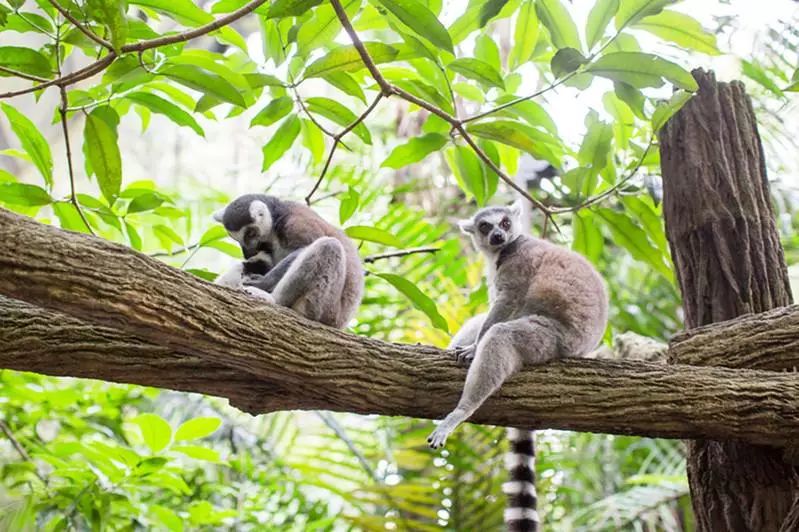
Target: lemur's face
{"type": "Point", "coordinates": [493, 228]}
{"type": "Point", "coordinates": [248, 222]}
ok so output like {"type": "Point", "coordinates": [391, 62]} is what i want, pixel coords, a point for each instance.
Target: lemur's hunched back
{"type": "Point", "coordinates": [546, 302]}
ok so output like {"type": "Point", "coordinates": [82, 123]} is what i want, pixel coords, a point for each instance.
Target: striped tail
{"type": "Point", "coordinates": [521, 514]}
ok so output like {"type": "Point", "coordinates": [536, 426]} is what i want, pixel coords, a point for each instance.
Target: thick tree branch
{"type": "Point", "coordinates": [106, 284]}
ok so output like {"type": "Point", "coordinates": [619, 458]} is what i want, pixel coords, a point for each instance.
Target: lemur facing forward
{"type": "Point", "coordinates": [293, 258]}
{"type": "Point", "coordinates": [546, 302]}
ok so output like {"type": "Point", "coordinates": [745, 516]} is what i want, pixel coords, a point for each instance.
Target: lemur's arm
{"type": "Point", "coordinates": [502, 309]}
{"type": "Point", "coordinates": [268, 281]}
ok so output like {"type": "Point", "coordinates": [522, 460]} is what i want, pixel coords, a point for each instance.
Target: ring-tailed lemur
{"type": "Point", "coordinates": [546, 302]}
{"type": "Point", "coordinates": [293, 258]}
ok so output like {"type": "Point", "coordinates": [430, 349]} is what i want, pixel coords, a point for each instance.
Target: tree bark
{"type": "Point", "coordinates": [137, 320]}
{"type": "Point", "coordinates": [729, 262]}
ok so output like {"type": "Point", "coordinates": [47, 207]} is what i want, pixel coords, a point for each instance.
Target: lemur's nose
{"type": "Point", "coordinates": [496, 239]}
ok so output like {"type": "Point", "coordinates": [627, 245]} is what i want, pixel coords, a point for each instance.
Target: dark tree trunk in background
{"type": "Point", "coordinates": [729, 262]}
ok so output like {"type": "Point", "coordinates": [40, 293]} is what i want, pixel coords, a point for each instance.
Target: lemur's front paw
{"type": "Point", "coordinates": [438, 438]}
{"type": "Point", "coordinates": [250, 279]}
{"type": "Point", "coordinates": [465, 354]}
{"type": "Point", "coordinates": [258, 293]}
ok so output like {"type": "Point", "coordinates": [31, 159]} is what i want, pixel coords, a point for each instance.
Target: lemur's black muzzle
{"type": "Point", "coordinates": [496, 238]}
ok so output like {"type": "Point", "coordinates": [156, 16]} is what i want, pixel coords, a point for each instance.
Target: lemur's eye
{"type": "Point", "coordinates": [484, 227]}
{"type": "Point", "coordinates": [505, 224]}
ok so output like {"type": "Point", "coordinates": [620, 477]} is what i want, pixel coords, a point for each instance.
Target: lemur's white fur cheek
{"type": "Point", "coordinates": [260, 214]}
{"type": "Point", "coordinates": [219, 215]}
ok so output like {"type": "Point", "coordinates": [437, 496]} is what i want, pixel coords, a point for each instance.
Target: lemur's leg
{"type": "Point", "coordinates": [313, 283]}
{"type": "Point", "coordinates": [467, 334]}
{"type": "Point", "coordinates": [501, 352]}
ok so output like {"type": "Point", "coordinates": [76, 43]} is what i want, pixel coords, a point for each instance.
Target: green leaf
{"type": "Point", "coordinates": [517, 135]}
{"type": "Point", "coordinates": [414, 150]}
{"type": "Point", "coordinates": [290, 8]}
{"type": "Point", "coordinates": [470, 172]}
{"type": "Point", "coordinates": [486, 50]}
{"type": "Point", "coordinates": [348, 204]}
{"type": "Point", "coordinates": [282, 140]}
{"type": "Point", "coordinates": [346, 84]}
{"type": "Point", "coordinates": [100, 144]}
{"type": "Point", "coordinates": [198, 453]}
{"type": "Point", "coordinates": [631, 11]}
{"type": "Point", "coordinates": [111, 13]}
{"type": "Point", "coordinates": [753, 71]}
{"type": "Point", "coordinates": [33, 142]}
{"type": "Point", "coordinates": [421, 20]}
{"type": "Point", "coordinates": [24, 194]}
{"type": "Point", "coordinates": [525, 35]}
{"type": "Point", "coordinates": [338, 113]}
{"type": "Point", "coordinates": [347, 59]}
{"type": "Point", "coordinates": [322, 29]}
{"type": "Point", "coordinates": [793, 87]}
{"type": "Point", "coordinates": [196, 428]}
{"type": "Point", "coordinates": [145, 202]}
{"type": "Point", "coordinates": [256, 81]}
{"type": "Point", "coordinates": [477, 70]}
{"type": "Point", "coordinates": [274, 111]}
{"type": "Point", "coordinates": [133, 236]}
{"type": "Point", "coordinates": [167, 517]}
{"type": "Point", "coordinates": [204, 81]}
{"type": "Point", "coordinates": [155, 431]}
{"type": "Point", "coordinates": [595, 148]}
{"type": "Point", "coordinates": [556, 18]}
{"type": "Point", "coordinates": [25, 22]}
{"type": "Point", "coordinates": [419, 299]}
{"type": "Point", "coordinates": [642, 70]}
{"type": "Point", "coordinates": [314, 140]}
{"type": "Point", "coordinates": [634, 239]}
{"type": "Point", "coordinates": [588, 239]}
{"type": "Point", "coordinates": [372, 234]}
{"type": "Point", "coordinates": [565, 61]}
{"type": "Point", "coordinates": [598, 20]}
{"type": "Point", "coordinates": [164, 107]}
{"type": "Point", "coordinates": [680, 29]}
{"type": "Point", "coordinates": [25, 60]}
{"type": "Point", "coordinates": [477, 15]}
{"type": "Point", "coordinates": [632, 97]}
{"type": "Point", "coordinates": [666, 110]}
{"type": "Point", "coordinates": [184, 11]}
{"type": "Point", "coordinates": [530, 111]}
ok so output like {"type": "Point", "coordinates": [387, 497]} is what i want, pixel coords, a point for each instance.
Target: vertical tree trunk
{"type": "Point", "coordinates": [729, 262]}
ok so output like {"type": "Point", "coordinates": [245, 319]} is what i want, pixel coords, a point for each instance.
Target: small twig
{"type": "Point", "coordinates": [311, 117]}
{"type": "Point", "coordinates": [372, 258]}
{"type": "Point", "coordinates": [327, 196]}
{"type": "Point", "coordinates": [86, 31]}
{"type": "Point", "coordinates": [612, 190]}
{"type": "Point", "coordinates": [15, 442]}
{"type": "Point", "coordinates": [141, 63]}
{"type": "Point", "coordinates": [519, 100]}
{"type": "Point", "coordinates": [62, 110]}
{"type": "Point", "coordinates": [337, 140]}
{"type": "Point", "coordinates": [175, 252]}
{"type": "Point", "coordinates": [23, 75]}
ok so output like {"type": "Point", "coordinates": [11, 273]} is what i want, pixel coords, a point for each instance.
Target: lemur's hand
{"type": "Point", "coordinates": [257, 293]}
{"type": "Point", "coordinates": [464, 354]}
{"type": "Point", "coordinates": [251, 279]}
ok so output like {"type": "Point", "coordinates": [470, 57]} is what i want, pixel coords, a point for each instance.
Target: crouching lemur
{"type": "Point", "coordinates": [293, 258]}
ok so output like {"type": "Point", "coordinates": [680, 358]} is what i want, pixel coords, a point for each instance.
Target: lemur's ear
{"type": "Point", "coordinates": [517, 207]}
{"type": "Point", "coordinates": [219, 215]}
{"type": "Point", "coordinates": [466, 226]}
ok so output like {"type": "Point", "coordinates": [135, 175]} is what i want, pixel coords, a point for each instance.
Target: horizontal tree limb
{"type": "Point", "coordinates": [49, 342]}
{"type": "Point", "coordinates": [322, 368]}
{"type": "Point", "coordinates": [757, 341]}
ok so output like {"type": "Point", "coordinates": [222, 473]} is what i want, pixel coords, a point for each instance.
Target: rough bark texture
{"type": "Point", "coordinates": [51, 343]}
{"type": "Point", "coordinates": [729, 262]}
{"type": "Point", "coordinates": [757, 341]}
{"type": "Point", "coordinates": [183, 323]}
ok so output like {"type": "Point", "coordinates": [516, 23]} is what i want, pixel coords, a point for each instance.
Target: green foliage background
{"type": "Point", "coordinates": [81, 455]}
